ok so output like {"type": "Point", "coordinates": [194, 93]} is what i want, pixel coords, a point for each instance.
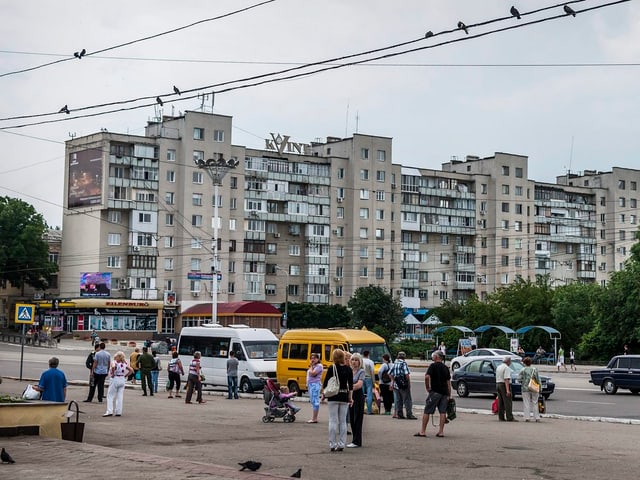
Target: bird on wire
{"type": "Point", "coordinates": [5, 457]}
{"type": "Point", "coordinates": [514, 12]}
{"type": "Point", "coordinates": [428, 34]}
{"type": "Point", "coordinates": [80, 54]}
{"type": "Point", "coordinates": [64, 109]}
{"type": "Point", "coordinates": [462, 26]}
{"type": "Point", "coordinates": [297, 473]}
{"type": "Point", "coordinates": [250, 464]}
{"type": "Point", "coordinates": [568, 10]}
{"type": "Point", "coordinates": [159, 101]}
{"type": "Point", "coordinates": [176, 90]}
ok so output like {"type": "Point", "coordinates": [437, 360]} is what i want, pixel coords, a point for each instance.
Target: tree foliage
{"type": "Point", "coordinates": [24, 255]}
{"type": "Point", "coordinates": [306, 315]}
{"type": "Point", "coordinates": [375, 308]}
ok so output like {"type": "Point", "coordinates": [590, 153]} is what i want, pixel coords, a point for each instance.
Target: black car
{"type": "Point", "coordinates": [479, 376]}
{"type": "Point", "coordinates": [623, 371]}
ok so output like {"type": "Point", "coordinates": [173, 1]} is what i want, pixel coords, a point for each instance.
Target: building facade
{"type": "Point", "coordinates": [312, 222]}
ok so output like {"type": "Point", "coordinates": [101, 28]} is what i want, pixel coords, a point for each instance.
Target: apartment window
{"type": "Point", "coordinates": [364, 252]}
{"type": "Point", "coordinates": [196, 220]}
{"type": "Point", "coordinates": [198, 133]}
{"type": "Point", "coordinates": [632, 219]}
{"type": "Point", "coordinates": [518, 226]}
{"type": "Point", "coordinates": [603, 250]}
{"type": "Point", "coordinates": [518, 191]}
{"type": "Point", "coordinates": [444, 239]}
{"type": "Point", "coordinates": [168, 242]}
{"type": "Point", "coordinates": [504, 279]}
{"type": "Point", "coordinates": [633, 203]}
{"type": "Point", "coordinates": [144, 217]}
{"type": "Point", "coordinates": [115, 216]}
{"type": "Point", "coordinates": [504, 224]}
{"type": "Point", "coordinates": [504, 260]}
{"type": "Point", "coordinates": [380, 175]}
{"type": "Point", "coordinates": [379, 253]}
{"type": "Point", "coordinates": [294, 250]}
{"type": "Point", "coordinates": [621, 202]}
{"type": "Point", "coordinates": [483, 188]}
{"type": "Point", "coordinates": [218, 135]}
{"type": "Point", "coordinates": [340, 252]}
{"type": "Point", "coordinates": [340, 192]}
{"type": "Point", "coordinates": [118, 172]}
{"type": "Point", "coordinates": [364, 233]}
{"type": "Point", "coordinates": [505, 189]}
{"type": "Point", "coordinates": [196, 242]}
{"type": "Point", "coordinates": [622, 184]}
{"type": "Point", "coordinates": [505, 242]}
{"type": "Point", "coordinates": [113, 261]}
{"type": "Point", "coordinates": [379, 214]}
{"type": "Point", "coordinates": [505, 170]}
{"type": "Point", "coordinates": [364, 194]}
{"type": "Point", "coordinates": [364, 213]}
{"type": "Point", "coordinates": [196, 199]}
{"type": "Point", "coordinates": [113, 239]}
{"type": "Point", "coordinates": [505, 207]}
{"type": "Point", "coordinates": [379, 234]}
{"type": "Point", "coordinates": [518, 172]}
{"type": "Point", "coordinates": [364, 174]}
{"type": "Point", "coordinates": [197, 177]}
{"type": "Point", "coordinates": [168, 263]}
{"type": "Point", "coordinates": [483, 260]}
{"type": "Point", "coordinates": [171, 176]}
{"type": "Point", "coordinates": [168, 219]}
{"type": "Point", "coordinates": [380, 195]}
{"type": "Point", "coordinates": [340, 212]}
{"type": "Point", "coordinates": [518, 208]}
{"type": "Point", "coordinates": [483, 242]}
{"type": "Point", "coordinates": [169, 198]}
{"type": "Point", "coordinates": [364, 153]}
{"type": "Point", "coordinates": [444, 258]}
{"type": "Point", "coordinates": [381, 155]}
{"type": "Point", "coordinates": [364, 272]}
{"type": "Point", "coordinates": [622, 234]}
{"type": "Point", "coordinates": [633, 185]}
{"type": "Point", "coordinates": [518, 261]}
{"type": "Point", "coordinates": [622, 218]}
{"type": "Point", "coordinates": [171, 155]}
{"type": "Point", "coordinates": [232, 245]}
{"type": "Point", "coordinates": [379, 273]}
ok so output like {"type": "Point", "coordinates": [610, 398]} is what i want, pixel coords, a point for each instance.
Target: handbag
{"type": "Point", "coordinates": [451, 409]}
{"type": "Point", "coordinates": [30, 393]}
{"type": "Point", "coordinates": [533, 385]}
{"type": "Point", "coordinates": [333, 384]}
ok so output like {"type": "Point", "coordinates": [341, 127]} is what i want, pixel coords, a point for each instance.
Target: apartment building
{"type": "Point", "coordinates": [311, 222]}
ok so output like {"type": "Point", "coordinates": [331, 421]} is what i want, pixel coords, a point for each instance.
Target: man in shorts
{"type": "Point", "coordinates": [437, 380]}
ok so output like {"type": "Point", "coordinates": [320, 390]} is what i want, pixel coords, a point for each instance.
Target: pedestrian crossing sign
{"type": "Point", "coordinates": [25, 313]}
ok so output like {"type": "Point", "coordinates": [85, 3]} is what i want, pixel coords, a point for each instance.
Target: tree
{"type": "Point", "coordinates": [24, 255]}
{"type": "Point", "coordinates": [306, 315]}
{"type": "Point", "coordinates": [375, 308]}
{"type": "Point", "coordinates": [573, 311]}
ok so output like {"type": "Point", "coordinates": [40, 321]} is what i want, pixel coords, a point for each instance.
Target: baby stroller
{"type": "Point", "coordinates": [277, 403]}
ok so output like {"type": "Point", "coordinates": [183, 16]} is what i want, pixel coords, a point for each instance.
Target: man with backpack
{"type": "Point", "coordinates": [89, 365]}
{"type": "Point", "coordinates": [401, 378]}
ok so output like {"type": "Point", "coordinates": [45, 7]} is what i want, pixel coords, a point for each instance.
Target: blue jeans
{"type": "Point", "coordinates": [232, 387]}
{"type": "Point", "coordinates": [154, 380]}
{"type": "Point", "coordinates": [368, 392]}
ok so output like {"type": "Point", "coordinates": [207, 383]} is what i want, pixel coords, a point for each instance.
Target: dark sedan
{"type": "Point", "coordinates": [479, 376]}
{"type": "Point", "coordinates": [623, 371]}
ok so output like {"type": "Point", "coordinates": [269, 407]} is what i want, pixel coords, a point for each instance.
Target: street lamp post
{"type": "Point", "coordinates": [216, 169]}
{"type": "Point", "coordinates": [283, 324]}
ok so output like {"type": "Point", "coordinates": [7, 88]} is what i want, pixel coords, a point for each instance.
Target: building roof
{"type": "Point", "coordinates": [234, 308]}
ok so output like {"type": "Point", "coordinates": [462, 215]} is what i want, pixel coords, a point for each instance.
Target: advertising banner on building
{"type": "Point", "coordinates": [85, 178]}
{"type": "Point", "coordinates": [95, 284]}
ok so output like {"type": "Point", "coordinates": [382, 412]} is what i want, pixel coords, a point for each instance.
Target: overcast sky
{"type": "Point", "coordinates": [521, 91]}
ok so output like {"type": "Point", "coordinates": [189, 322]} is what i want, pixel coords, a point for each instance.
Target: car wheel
{"type": "Point", "coordinates": [455, 366]}
{"type": "Point", "coordinates": [463, 390]}
{"type": "Point", "coordinates": [245, 386]}
{"type": "Point", "coordinates": [609, 387]}
{"type": "Point", "coordinates": [294, 388]}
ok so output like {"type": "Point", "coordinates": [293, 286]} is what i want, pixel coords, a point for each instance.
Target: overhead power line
{"type": "Point", "coordinates": [263, 79]}
{"type": "Point", "coordinates": [84, 53]}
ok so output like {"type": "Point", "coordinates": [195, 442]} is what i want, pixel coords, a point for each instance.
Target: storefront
{"type": "Point", "coordinates": [80, 315]}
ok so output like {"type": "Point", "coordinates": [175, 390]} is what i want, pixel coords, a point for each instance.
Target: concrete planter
{"type": "Point", "coordinates": [46, 415]}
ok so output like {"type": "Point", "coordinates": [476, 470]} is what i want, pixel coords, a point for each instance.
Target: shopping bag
{"type": "Point", "coordinates": [451, 409]}
{"type": "Point", "coordinates": [533, 385]}
{"type": "Point", "coordinates": [30, 393]}
{"type": "Point", "coordinates": [494, 406]}
{"type": "Point", "coordinates": [542, 404]}
{"type": "Point", "coordinates": [138, 375]}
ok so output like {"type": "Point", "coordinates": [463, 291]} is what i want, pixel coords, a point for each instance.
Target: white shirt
{"type": "Point", "coordinates": [503, 373]}
{"type": "Point", "coordinates": [369, 367]}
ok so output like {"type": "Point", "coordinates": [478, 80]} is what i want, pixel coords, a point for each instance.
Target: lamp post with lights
{"type": "Point", "coordinates": [216, 169]}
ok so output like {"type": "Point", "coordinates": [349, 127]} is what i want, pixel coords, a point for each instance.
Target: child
{"type": "Point", "coordinates": [282, 393]}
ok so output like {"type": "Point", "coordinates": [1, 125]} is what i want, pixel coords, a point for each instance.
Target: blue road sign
{"type": "Point", "coordinates": [25, 313]}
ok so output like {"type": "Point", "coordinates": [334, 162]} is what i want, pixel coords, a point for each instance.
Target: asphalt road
{"type": "Point", "coordinates": [574, 395]}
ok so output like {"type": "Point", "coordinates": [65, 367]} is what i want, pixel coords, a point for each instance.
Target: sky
{"type": "Point", "coordinates": [564, 92]}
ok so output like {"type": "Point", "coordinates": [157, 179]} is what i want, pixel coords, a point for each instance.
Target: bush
{"type": "Point", "coordinates": [413, 348]}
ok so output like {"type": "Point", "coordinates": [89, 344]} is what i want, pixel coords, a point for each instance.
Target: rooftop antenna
{"type": "Point", "coordinates": [357, 120]}
{"type": "Point", "coordinates": [570, 156]}
{"type": "Point", "coordinates": [346, 122]}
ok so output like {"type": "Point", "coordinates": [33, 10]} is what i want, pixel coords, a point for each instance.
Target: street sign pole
{"type": "Point", "coordinates": [24, 326]}
{"type": "Point", "coordinates": [25, 313]}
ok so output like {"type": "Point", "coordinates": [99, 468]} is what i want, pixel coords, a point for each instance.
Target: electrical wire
{"type": "Point", "coordinates": [143, 39]}
{"type": "Point", "coordinates": [266, 80]}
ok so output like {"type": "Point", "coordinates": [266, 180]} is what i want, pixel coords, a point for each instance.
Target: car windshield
{"type": "Point", "coordinates": [267, 350]}
{"type": "Point", "coordinates": [376, 350]}
{"type": "Point", "coordinates": [516, 365]}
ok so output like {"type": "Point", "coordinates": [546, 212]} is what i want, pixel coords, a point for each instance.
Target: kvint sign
{"type": "Point", "coordinates": [281, 144]}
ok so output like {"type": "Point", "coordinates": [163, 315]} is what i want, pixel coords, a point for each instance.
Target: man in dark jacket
{"type": "Point", "coordinates": [146, 362]}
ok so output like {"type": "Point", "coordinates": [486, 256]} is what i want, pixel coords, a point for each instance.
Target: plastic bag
{"type": "Point", "coordinates": [494, 406]}
{"type": "Point", "coordinates": [30, 393]}
{"type": "Point", "coordinates": [138, 375]}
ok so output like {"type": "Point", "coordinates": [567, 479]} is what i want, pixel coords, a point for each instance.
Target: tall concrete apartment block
{"type": "Point", "coordinates": [312, 222]}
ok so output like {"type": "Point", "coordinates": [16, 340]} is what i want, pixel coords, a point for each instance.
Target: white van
{"type": "Point", "coordinates": [255, 348]}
